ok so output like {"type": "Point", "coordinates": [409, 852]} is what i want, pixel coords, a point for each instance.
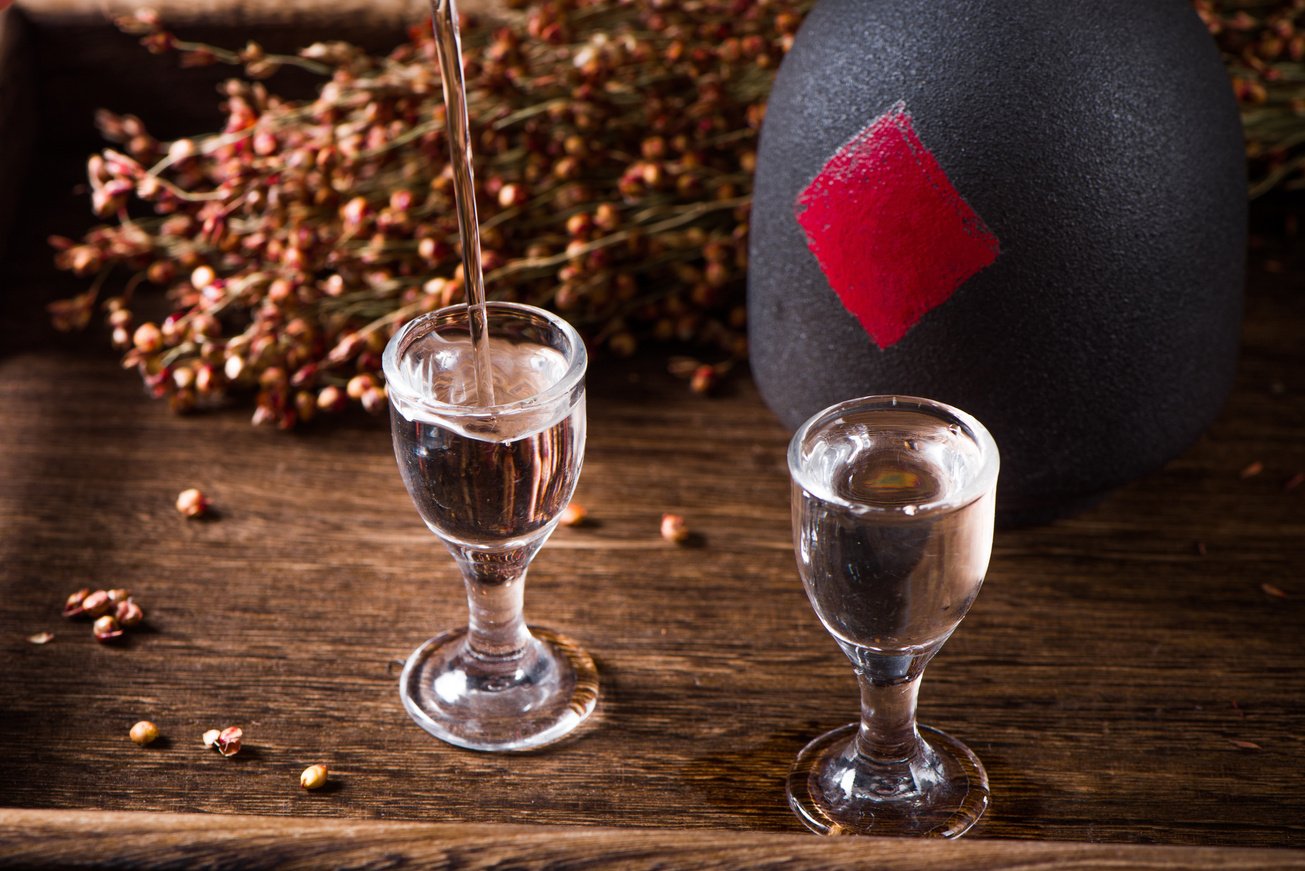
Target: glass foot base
{"type": "Point", "coordinates": [468, 702]}
{"type": "Point", "coordinates": [941, 796]}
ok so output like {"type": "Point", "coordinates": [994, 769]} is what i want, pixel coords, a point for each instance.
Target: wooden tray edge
{"type": "Point", "coordinates": [91, 838]}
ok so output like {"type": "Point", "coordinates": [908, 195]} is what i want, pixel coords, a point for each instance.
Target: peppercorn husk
{"type": "Point", "coordinates": [228, 740]}
{"type": "Point", "coordinates": [192, 502]}
{"type": "Point", "coordinates": [615, 144]}
{"type": "Point", "coordinates": [225, 741]}
{"type": "Point", "coordinates": [96, 604]}
{"type": "Point", "coordinates": [574, 514]}
{"type": "Point", "coordinates": [674, 529]}
{"type": "Point", "coordinates": [73, 606]}
{"type": "Point", "coordinates": [106, 628]}
{"type": "Point", "coordinates": [128, 613]}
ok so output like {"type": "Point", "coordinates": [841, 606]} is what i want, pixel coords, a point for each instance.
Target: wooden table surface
{"type": "Point", "coordinates": [1130, 676]}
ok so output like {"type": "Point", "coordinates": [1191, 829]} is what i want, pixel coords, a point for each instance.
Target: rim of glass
{"type": "Point", "coordinates": [985, 480]}
{"type": "Point", "coordinates": [576, 354]}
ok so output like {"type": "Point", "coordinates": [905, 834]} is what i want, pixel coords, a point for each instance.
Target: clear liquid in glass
{"type": "Point", "coordinates": [493, 481]}
{"type": "Point", "coordinates": [893, 502]}
{"type": "Point", "coordinates": [888, 573]}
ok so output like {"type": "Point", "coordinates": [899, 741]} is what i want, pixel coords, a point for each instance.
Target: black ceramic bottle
{"type": "Point", "coordinates": [1034, 210]}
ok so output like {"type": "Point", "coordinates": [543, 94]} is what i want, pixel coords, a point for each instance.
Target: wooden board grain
{"type": "Point", "coordinates": [80, 839]}
{"type": "Point", "coordinates": [1119, 684]}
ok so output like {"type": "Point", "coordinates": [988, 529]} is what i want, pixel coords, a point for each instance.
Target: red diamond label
{"type": "Point", "coordinates": [891, 233]}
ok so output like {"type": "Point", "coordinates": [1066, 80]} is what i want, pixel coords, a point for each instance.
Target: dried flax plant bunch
{"type": "Point", "coordinates": [615, 142]}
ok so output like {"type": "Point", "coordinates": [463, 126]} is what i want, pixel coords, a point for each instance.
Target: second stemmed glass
{"type": "Point", "coordinates": [893, 500]}
{"type": "Point", "coordinates": [491, 482]}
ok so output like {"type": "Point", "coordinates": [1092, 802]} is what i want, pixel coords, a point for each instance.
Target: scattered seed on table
{"type": "Point", "coordinates": [573, 515]}
{"type": "Point", "coordinates": [144, 733]}
{"type": "Point", "coordinates": [192, 503]}
{"type": "Point", "coordinates": [674, 529]}
{"type": "Point", "coordinates": [313, 777]}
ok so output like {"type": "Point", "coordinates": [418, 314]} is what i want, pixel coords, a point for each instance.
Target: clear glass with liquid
{"type": "Point", "coordinates": [491, 482]}
{"type": "Point", "coordinates": [893, 506]}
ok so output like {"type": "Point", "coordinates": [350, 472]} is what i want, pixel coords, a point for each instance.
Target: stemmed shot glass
{"type": "Point", "coordinates": [893, 500]}
{"type": "Point", "coordinates": [491, 482]}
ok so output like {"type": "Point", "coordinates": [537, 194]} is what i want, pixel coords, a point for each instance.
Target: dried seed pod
{"type": "Point", "coordinates": [129, 613]}
{"type": "Point", "coordinates": [41, 638]}
{"type": "Point", "coordinates": [358, 385]}
{"type": "Point", "coordinates": [703, 380]}
{"type": "Point", "coordinates": [210, 737]}
{"type": "Point", "coordinates": [96, 604]}
{"type": "Point", "coordinates": [144, 733]}
{"type": "Point", "coordinates": [119, 595]}
{"type": "Point", "coordinates": [375, 400]}
{"type": "Point", "coordinates": [674, 528]}
{"type": "Point", "coordinates": [148, 338]}
{"type": "Point", "coordinates": [332, 399]}
{"type": "Point", "coordinates": [228, 740]}
{"type": "Point", "coordinates": [305, 405]}
{"type": "Point", "coordinates": [106, 628]}
{"type": "Point", "coordinates": [202, 277]}
{"type": "Point", "coordinates": [313, 777]}
{"type": "Point", "coordinates": [72, 607]}
{"type": "Point", "coordinates": [573, 515]}
{"type": "Point", "coordinates": [192, 503]}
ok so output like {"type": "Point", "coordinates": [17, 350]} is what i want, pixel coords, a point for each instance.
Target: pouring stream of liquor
{"type": "Point", "coordinates": [448, 43]}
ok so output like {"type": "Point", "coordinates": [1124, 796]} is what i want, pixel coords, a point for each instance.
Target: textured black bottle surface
{"type": "Point", "coordinates": [1100, 142]}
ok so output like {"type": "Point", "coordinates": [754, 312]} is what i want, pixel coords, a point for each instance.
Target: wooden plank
{"type": "Point", "coordinates": [93, 839]}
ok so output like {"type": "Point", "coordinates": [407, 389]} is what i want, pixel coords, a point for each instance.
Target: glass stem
{"type": "Point", "coordinates": [887, 734]}
{"type": "Point", "coordinates": [496, 627]}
